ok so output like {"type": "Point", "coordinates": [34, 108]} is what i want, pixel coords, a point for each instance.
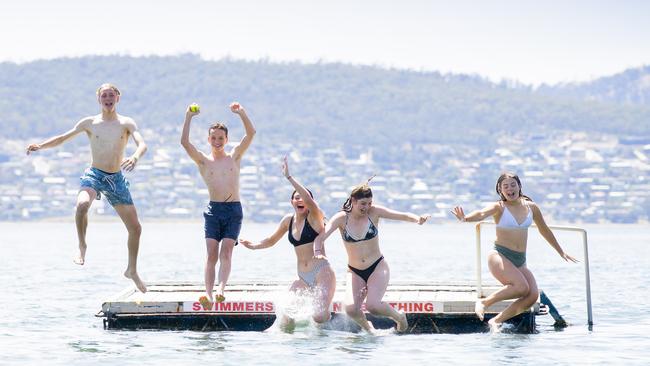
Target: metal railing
{"type": "Point", "coordinates": [479, 285]}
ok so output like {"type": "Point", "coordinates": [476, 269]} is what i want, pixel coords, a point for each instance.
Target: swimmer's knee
{"type": "Point", "coordinates": [521, 289]}
{"type": "Point", "coordinates": [374, 308]}
{"type": "Point", "coordinates": [532, 297]}
{"type": "Point", "coordinates": [212, 259]}
{"type": "Point", "coordinates": [83, 207]}
{"type": "Point", "coordinates": [225, 255]}
{"type": "Point", "coordinates": [322, 317]}
{"type": "Point", "coordinates": [135, 229]}
{"type": "Point", "coordinates": [352, 311]}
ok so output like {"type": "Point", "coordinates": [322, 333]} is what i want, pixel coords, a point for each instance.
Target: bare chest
{"type": "Point", "coordinates": [105, 135]}
{"type": "Point", "coordinates": [220, 170]}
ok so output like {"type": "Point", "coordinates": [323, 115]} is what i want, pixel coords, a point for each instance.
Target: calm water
{"type": "Point", "coordinates": [48, 303]}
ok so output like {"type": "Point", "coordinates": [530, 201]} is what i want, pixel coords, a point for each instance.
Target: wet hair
{"type": "Point", "coordinates": [108, 86]}
{"type": "Point", "coordinates": [218, 126]}
{"type": "Point", "coordinates": [505, 176]}
{"type": "Point", "coordinates": [294, 193]}
{"type": "Point", "coordinates": [359, 192]}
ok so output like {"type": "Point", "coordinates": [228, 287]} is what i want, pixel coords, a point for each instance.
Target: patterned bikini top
{"type": "Point", "coordinates": [370, 233]}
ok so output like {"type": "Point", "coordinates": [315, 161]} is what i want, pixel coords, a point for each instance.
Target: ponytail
{"type": "Point", "coordinates": [347, 206]}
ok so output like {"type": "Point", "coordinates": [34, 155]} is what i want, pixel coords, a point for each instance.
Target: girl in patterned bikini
{"type": "Point", "coordinates": [368, 271]}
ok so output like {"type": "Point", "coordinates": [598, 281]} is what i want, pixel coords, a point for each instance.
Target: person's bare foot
{"type": "Point", "coordinates": [81, 258]}
{"type": "Point", "coordinates": [133, 275]}
{"type": "Point", "coordinates": [495, 327]}
{"type": "Point", "coordinates": [402, 324]}
{"type": "Point", "coordinates": [287, 324]}
{"type": "Point", "coordinates": [479, 309]}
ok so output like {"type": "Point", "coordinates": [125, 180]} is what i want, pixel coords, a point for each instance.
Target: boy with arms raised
{"type": "Point", "coordinates": [223, 215]}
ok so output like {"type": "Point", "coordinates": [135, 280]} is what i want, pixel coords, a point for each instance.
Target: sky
{"type": "Point", "coordinates": [531, 42]}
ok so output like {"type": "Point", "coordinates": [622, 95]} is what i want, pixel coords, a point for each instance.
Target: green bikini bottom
{"type": "Point", "coordinates": [517, 258]}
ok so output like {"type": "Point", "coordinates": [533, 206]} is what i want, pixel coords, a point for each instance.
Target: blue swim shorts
{"type": "Point", "coordinates": [113, 185]}
{"type": "Point", "coordinates": [223, 220]}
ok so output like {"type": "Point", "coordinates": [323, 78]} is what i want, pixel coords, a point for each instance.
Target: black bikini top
{"type": "Point", "coordinates": [371, 233]}
{"type": "Point", "coordinates": [308, 234]}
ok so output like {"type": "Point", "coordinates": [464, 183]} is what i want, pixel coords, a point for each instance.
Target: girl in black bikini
{"type": "Point", "coordinates": [314, 272]}
{"type": "Point", "coordinates": [368, 272]}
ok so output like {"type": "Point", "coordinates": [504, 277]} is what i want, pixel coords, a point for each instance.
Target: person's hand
{"type": "Point", "coordinates": [246, 243]}
{"type": "Point", "coordinates": [319, 254]}
{"type": "Point", "coordinates": [190, 113]}
{"type": "Point", "coordinates": [459, 213]}
{"type": "Point", "coordinates": [32, 148]}
{"type": "Point", "coordinates": [568, 258]}
{"type": "Point", "coordinates": [423, 218]}
{"type": "Point", "coordinates": [235, 107]}
{"type": "Point", "coordinates": [285, 167]}
{"type": "Point", "coordinates": [129, 163]}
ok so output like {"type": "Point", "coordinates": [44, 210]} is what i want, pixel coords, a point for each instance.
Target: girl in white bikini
{"type": "Point", "coordinates": [513, 214]}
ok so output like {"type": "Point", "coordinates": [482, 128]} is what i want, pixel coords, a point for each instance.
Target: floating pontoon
{"type": "Point", "coordinates": [430, 308]}
{"type": "Point", "coordinates": [252, 306]}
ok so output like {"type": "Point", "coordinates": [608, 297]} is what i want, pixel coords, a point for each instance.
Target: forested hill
{"type": "Point", "coordinates": [629, 87]}
{"type": "Point", "coordinates": [354, 104]}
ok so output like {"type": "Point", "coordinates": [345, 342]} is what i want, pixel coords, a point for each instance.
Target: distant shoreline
{"type": "Point", "coordinates": [158, 220]}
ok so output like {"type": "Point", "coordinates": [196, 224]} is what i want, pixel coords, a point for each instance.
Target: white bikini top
{"type": "Point", "coordinates": [509, 221]}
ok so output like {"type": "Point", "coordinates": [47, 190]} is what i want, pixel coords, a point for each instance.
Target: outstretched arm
{"type": "Point", "coordinates": [245, 142]}
{"type": "Point", "coordinates": [387, 213]}
{"type": "Point", "coordinates": [59, 139]}
{"type": "Point", "coordinates": [319, 242]}
{"type": "Point", "coordinates": [310, 203]}
{"type": "Point", "coordinates": [129, 163]}
{"type": "Point", "coordinates": [271, 240]}
{"type": "Point", "coordinates": [191, 150]}
{"type": "Point", "coordinates": [546, 232]}
{"type": "Point", "coordinates": [477, 215]}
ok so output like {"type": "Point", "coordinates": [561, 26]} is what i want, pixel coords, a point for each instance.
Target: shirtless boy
{"type": "Point", "coordinates": [223, 215]}
{"type": "Point", "coordinates": [108, 133]}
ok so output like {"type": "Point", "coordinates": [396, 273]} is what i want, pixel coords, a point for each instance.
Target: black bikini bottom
{"type": "Point", "coordinates": [366, 273]}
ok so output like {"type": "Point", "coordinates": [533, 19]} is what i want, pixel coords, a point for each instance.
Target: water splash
{"type": "Point", "coordinates": [294, 309]}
